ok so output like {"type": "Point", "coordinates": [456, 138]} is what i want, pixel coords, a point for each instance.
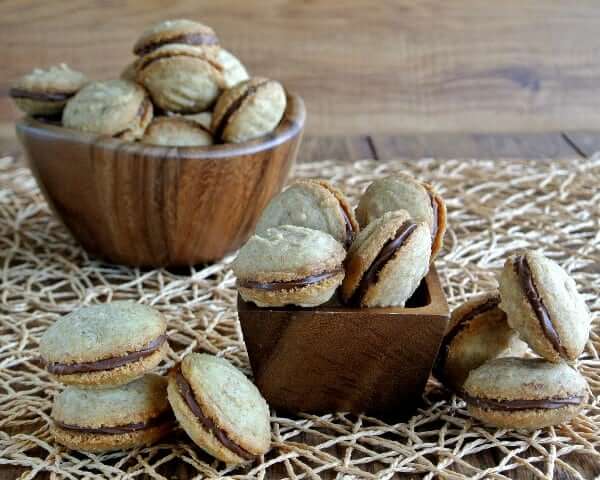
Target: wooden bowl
{"type": "Point", "coordinates": [335, 358]}
{"type": "Point", "coordinates": [150, 205]}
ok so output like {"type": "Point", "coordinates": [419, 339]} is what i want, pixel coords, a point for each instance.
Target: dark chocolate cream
{"type": "Point", "coordinates": [533, 296]}
{"type": "Point", "coordinates": [486, 306]}
{"type": "Point", "coordinates": [349, 228]}
{"type": "Point", "coordinates": [509, 405]}
{"type": "Point", "coordinates": [107, 363]}
{"type": "Point", "coordinates": [186, 392]}
{"type": "Point", "coordinates": [302, 282]}
{"type": "Point", "coordinates": [41, 96]}
{"type": "Point", "coordinates": [186, 39]}
{"type": "Point", "coordinates": [370, 277]}
{"type": "Point", "coordinates": [235, 105]}
{"type": "Point", "coordinates": [163, 418]}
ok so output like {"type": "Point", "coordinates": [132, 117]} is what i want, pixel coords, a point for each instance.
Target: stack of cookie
{"type": "Point", "coordinates": [308, 243]}
{"type": "Point", "coordinates": [480, 357]}
{"type": "Point", "coordinates": [104, 354]}
{"type": "Point", "coordinates": [183, 89]}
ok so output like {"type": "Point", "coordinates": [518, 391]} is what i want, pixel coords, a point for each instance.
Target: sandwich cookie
{"type": "Point", "coordinates": [249, 110]}
{"type": "Point", "coordinates": [387, 261]}
{"type": "Point", "coordinates": [129, 416]}
{"type": "Point", "coordinates": [114, 107]}
{"type": "Point", "coordinates": [542, 303]}
{"type": "Point", "coordinates": [289, 265]}
{"type": "Point", "coordinates": [45, 92]}
{"type": "Point", "coordinates": [219, 408]}
{"type": "Point", "coordinates": [478, 332]}
{"type": "Point", "coordinates": [527, 393]}
{"type": "Point", "coordinates": [403, 192]}
{"type": "Point", "coordinates": [312, 204]}
{"type": "Point", "coordinates": [176, 32]}
{"type": "Point", "coordinates": [177, 132]}
{"type": "Point", "coordinates": [181, 78]}
{"type": "Point", "coordinates": [233, 70]}
{"type": "Point", "coordinates": [104, 345]}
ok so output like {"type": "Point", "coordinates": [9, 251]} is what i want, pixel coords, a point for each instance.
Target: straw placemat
{"type": "Point", "coordinates": [494, 208]}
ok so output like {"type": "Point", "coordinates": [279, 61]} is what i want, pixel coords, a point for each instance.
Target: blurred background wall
{"type": "Point", "coordinates": [362, 66]}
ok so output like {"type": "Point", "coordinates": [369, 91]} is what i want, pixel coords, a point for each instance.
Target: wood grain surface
{"type": "Point", "coordinates": [363, 67]}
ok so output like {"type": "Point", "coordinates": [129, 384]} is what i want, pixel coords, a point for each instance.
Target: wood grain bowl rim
{"type": "Point", "coordinates": [290, 126]}
{"type": "Point", "coordinates": [438, 305]}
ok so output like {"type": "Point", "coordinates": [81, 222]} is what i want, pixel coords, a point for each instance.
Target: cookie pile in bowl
{"type": "Point", "coordinates": [182, 89]}
{"type": "Point", "coordinates": [309, 243]}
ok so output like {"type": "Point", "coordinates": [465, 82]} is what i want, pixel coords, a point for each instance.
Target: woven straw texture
{"type": "Point", "coordinates": [494, 208]}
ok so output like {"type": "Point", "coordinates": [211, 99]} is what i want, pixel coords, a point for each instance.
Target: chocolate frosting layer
{"type": "Point", "coordinates": [371, 276]}
{"type": "Point", "coordinates": [303, 282]}
{"type": "Point", "coordinates": [235, 105]}
{"type": "Point", "coordinates": [107, 363]}
{"type": "Point", "coordinates": [349, 228]}
{"type": "Point", "coordinates": [163, 418]}
{"type": "Point", "coordinates": [186, 39]}
{"type": "Point", "coordinates": [533, 296]}
{"type": "Point", "coordinates": [486, 306]}
{"type": "Point", "coordinates": [185, 390]}
{"type": "Point", "coordinates": [41, 96]}
{"type": "Point", "coordinates": [511, 405]}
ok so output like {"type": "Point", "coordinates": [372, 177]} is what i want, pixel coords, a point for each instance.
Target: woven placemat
{"type": "Point", "coordinates": [494, 208]}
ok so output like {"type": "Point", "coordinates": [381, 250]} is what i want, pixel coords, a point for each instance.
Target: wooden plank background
{"type": "Point", "coordinates": [363, 67]}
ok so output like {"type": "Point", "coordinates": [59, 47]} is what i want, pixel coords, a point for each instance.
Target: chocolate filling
{"type": "Point", "coordinates": [533, 296]}
{"type": "Point", "coordinates": [510, 405]}
{"type": "Point", "coordinates": [235, 105]}
{"type": "Point", "coordinates": [349, 228]}
{"type": "Point", "coordinates": [42, 97]}
{"type": "Point", "coordinates": [434, 224]}
{"type": "Point", "coordinates": [486, 306]}
{"type": "Point", "coordinates": [186, 39]}
{"type": "Point", "coordinates": [107, 363]}
{"type": "Point", "coordinates": [163, 418]}
{"type": "Point", "coordinates": [289, 285]}
{"type": "Point", "coordinates": [186, 392]}
{"type": "Point", "coordinates": [371, 276]}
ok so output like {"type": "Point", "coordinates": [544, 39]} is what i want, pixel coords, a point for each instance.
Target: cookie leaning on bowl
{"type": "Point", "coordinates": [289, 265]}
{"type": "Point", "coordinates": [314, 204]}
{"type": "Point", "coordinates": [528, 393]}
{"type": "Point", "coordinates": [114, 107]}
{"type": "Point", "coordinates": [177, 131]}
{"type": "Point", "coordinates": [45, 92]}
{"type": "Point", "coordinates": [104, 345]}
{"type": "Point", "coordinates": [477, 332]}
{"type": "Point", "coordinates": [128, 416]}
{"type": "Point", "coordinates": [403, 192]}
{"type": "Point", "coordinates": [249, 110]}
{"type": "Point", "coordinates": [542, 304]}
{"type": "Point", "coordinates": [387, 261]}
{"type": "Point", "coordinates": [219, 408]}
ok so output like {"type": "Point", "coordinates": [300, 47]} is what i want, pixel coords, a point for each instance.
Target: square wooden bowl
{"type": "Point", "coordinates": [335, 358]}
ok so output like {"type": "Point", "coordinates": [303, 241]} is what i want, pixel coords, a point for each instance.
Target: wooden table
{"type": "Point", "coordinates": [549, 145]}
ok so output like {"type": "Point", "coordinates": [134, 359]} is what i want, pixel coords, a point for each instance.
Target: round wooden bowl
{"type": "Point", "coordinates": [150, 205]}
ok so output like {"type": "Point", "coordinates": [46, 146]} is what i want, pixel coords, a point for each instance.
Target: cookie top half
{"type": "Point", "coordinates": [179, 31]}
{"type": "Point", "coordinates": [134, 403]}
{"type": "Point", "coordinates": [288, 253]}
{"type": "Point", "coordinates": [312, 204]}
{"type": "Point", "coordinates": [102, 331]}
{"type": "Point", "coordinates": [59, 82]}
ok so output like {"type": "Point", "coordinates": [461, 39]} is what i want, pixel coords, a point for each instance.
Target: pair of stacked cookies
{"type": "Point", "coordinates": [481, 356]}
{"type": "Point", "coordinates": [183, 89]}
{"type": "Point", "coordinates": [309, 242]}
{"type": "Point", "coordinates": [105, 354]}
